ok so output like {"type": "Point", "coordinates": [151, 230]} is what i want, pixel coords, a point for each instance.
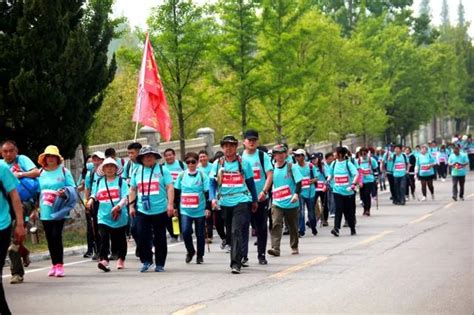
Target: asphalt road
{"type": "Point", "coordinates": [412, 259]}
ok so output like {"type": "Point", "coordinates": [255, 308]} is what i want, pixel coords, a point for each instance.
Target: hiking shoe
{"type": "Point", "coordinates": [52, 271]}
{"type": "Point", "coordinates": [325, 223]}
{"type": "Point", "coordinates": [262, 261]}
{"type": "Point", "coordinates": [353, 232]}
{"type": "Point", "coordinates": [455, 198]}
{"type": "Point", "coordinates": [59, 271]}
{"type": "Point", "coordinates": [244, 262]}
{"type": "Point", "coordinates": [16, 279]}
{"type": "Point", "coordinates": [273, 252]}
{"type": "Point", "coordinates": [87, 255]}
{"type": "Point", "coordinates": [199, 260]}
{"type": "Point", "coordinates": [189, 257]}
{"type": "Point", "coordinates": [335, 232]}
{"type": "Point", "coordinates": [295, 251]}
{"type": "Point", "coordinates": [235, 270]}
{"type": "Point", "coordinates": [120, 264]}
{"type": "Point", "coordinates": [314, 231]}
{"type": "Point", "coordinates": [159, 269]}
{"type": "Point", "coordinates": [301, 234]}
{"type": "Point", "coordinates": [103, 265]}
{"type": "Point", "coordinates": [95, 257]}
{"type": "Point", "coordinates": [145, 267]}
{"type": "Point", "coordinates": [286, 232]}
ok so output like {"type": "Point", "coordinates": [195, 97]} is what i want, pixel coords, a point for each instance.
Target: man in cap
{"type": "Point", "coordinates": [232, 187]}
{"type": "Point", "coordinates": [262, 175]}
{"type": "Point", "coordinates": [91, 213]}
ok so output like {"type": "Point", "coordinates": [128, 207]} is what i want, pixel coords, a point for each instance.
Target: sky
{"type": "Point", "coordinates": [137, 11]}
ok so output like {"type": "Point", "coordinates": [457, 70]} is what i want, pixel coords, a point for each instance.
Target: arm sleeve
{"type": "Point", "coordinates": [251, 186]}
{"type": "Point", "coordinates": [208, 202]}
{"type": "Point", "coordinates": [177, 198]}
{"type": "Point", "coordinates": [298, 188]}
{"type": "Point", "coordinates": [212, 188]}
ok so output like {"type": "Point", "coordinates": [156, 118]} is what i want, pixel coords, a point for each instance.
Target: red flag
{"type": "Point", "coordinates": [151, 108]}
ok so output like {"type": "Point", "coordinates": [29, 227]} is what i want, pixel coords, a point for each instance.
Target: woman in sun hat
{"type": "Point", "coordinates": [53, 180]}
{"type": "Point", "coordinates": [111, 193]}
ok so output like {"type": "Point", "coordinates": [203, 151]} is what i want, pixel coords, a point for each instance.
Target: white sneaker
{"type": "Point", "coordinates": [423, 199]}
{"type": "Point", "coordinates": [443, 180]}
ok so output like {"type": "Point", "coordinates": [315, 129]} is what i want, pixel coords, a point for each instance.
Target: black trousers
{"type": "Point", "coordinates": [426, 181]}
{"type": "Point", "coordinates": [234, 218]}
{"type": "Point", "coordinates": [260, 219]}
{"type": "Point", "coordinates": [54, 235]}
{"type": "Point", "coordinates": [116, 236]}
{"type": "Point", "coordinates": [344, 205]}
{"type": "Point", "coordinates": [325, 209]}
{"type": "Point", "coordinates": [366, 195]}
{"type": "Point", "coordinates": [152, 227]}
{"type": "Point", "coordinates": [461, 180]}
{"type": "Point", "coordinates": [442, 170]}
{"type": "Point", "coordinates": [471, 161]}
{"type": "Point", "coordinates": [4, 243]}
{"type": "Point", "coordinates": [217, 217]}
{"type": "Point", "coordinates": [391, 184]}
{"type": "Point", "coordinates": [93, 236]}
{"type": "Point", "coordinates": [410, 185]}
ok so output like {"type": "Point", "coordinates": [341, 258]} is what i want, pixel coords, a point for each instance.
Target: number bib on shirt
{"type": "Point", "coordinates": [154, 188]}
{"type": "Point", "coordinates": [442, 159]}
{"type": "Point", "coordinates": [365, 171]}
{"type": "Point", "coordinates": [232, 180]}
{"type": "Point", "coordinates": [282, 193]}
{"type": "Point", "coordinates": [425, 168]}
{"type": "Point", "coordinates": [103, 196]}
{"type": "Point", "coordinates": [257, 174]}
{"type": "Point", "coordinates": [320, 186]}
{"type": "Point", "coordinates": [400, 166]}
{"type": "Point", "coordinates": [49, 197]}
{"type": "Point", "coordinates": [341, 180]}
{"type": "Point", "coordinates": [190, 200]}
{"type": "Point", "coordinates": [305, 183]}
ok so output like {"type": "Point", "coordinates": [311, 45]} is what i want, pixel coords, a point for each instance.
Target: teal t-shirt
{"type": "Point", "coordinates": [175, 169]}
{"type": "Point", "coordinates": [307, 190]}
{"type": "Point", "coordinates": [366, 168]}
{"type": "Point", "coordinates": [469, 148]}
{"type": "Point", "coordinates": [321, 177]}
{"type": "Point", "coordinates": [284, 186]}
{"type": "Point", "coordinates": [105, 197]}
{"type": "Point", "coordinates": [129, 168]}
{"type": "Point", "coordinates": [9, 183]}
{"type": "Point", "coordinates": [259, 172]}
{"type": "Point", "coordinates": [150, 181]}
{"type": "Point", "coordinates": [434, 152]}
{"type": "Point", "coordinates": [342, 176]}
{"type": "Point", "coordinates": [205, 169]}
{"type": "Point", "coordinates": [193, 188]}
{"type": "Point", "coordinates": [455, 161]}
{"type": "Point", "coordinates": [232, 188]}
{"type": "Point", "coordinates": [22, 163]}
{"type": "Point", "coordinates": [400, 162]}
{"type": "Point", "coordinates": [91, 179]}
{"type": "Point", "coordinates": [442, 157]}
{"type": "Point", "coordinates": [424, 164]}
{"type": "Point", "coordinates": [49, 184]}
{"type": "Point", "coordinates": [388, 162]}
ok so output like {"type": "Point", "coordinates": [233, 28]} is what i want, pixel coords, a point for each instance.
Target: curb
{"type": "Point", "coordinates": [42, 256]}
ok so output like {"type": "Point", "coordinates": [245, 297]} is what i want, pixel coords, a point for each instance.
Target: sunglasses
{"type": "Point", "coordinates": [191, 162]}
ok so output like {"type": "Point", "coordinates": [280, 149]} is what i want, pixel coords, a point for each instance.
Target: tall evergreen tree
{"type": "Point", "coordinates": [461, 18]}
{"type": "Point", "coordinates": [53, 70]}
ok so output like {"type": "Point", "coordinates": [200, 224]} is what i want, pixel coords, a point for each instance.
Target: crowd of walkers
{"type": "Point", "coordinates": [268, 192]}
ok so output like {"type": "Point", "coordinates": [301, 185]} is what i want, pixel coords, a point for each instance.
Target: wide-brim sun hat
{"type": "Point", "coordinates": [279, 148]}
{"type": "Point", "coordinates": [109, 161]}
{"type": "Point", "coordinates": [146, 149]}
{"type": "Point", "coordinates": [99, 154]}
{"type": "Point", "coordinates": [50, 150]}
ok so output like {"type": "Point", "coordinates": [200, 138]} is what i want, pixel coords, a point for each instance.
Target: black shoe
{"type": "Point", "coordinates": [244, 262]}
{"type": "Point", "coordinates": [301, 234]}
{"type": "Point", "coordinates": [189, 257]}
{"type": "Point", "coordinates": [199, 260]}
{"type": "Point", "coordinates": [286, 232]}
{"type": "Point", "coordinates": [325, 223]}
{"type": "Point", "coordinates": [235, 270]}
{"type": "Point", "coordinates": [87, 255]}
{"type": "Point", "coordinates": [401, 203]}
{"type": "Point", "coordinates": [307, 224]}
{"type": "Point", "coordinates": [454, 198]}
{"type": "Point", "coordinates": [314, 231]}
{"type": "Point", "coordinates": [223, 244]}
{"type": "Point", "coordinates": [94, 257]}
{"type": "Point", "coordinates": [353, 232]}
{"type": "Point", "coordinates": [256, 243]}
{"type": "Point", "coordinates": [262, 260]}
{"type": "Point", "coordinates": [137, 253]}
{"type": "Point", "coordinates": [335, 232]}
{"type": "Point", "coordinates": [113, 257]}
{"type": "Point", "coordinates": [345, 224]}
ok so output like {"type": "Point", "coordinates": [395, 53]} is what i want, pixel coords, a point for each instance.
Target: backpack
{"type": "Point", "coordinates": [394, 157]}
{"type": "Point", "coordinates": [120, 189]}
{"type": "Point", "coordinates": [221, 162]}
{"type": "Point", "coordinates": [347, 166]}
{"type": "Point", "coordinates": [8, 199]}
{"type": "Point", "coordinates": [261, 157]}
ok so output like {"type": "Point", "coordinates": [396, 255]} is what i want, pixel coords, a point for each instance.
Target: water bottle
{"type": "Point", "coordinates": [175, 221]}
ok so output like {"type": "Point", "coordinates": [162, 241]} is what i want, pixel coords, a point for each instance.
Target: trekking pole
{"type": "Point", "coordinates": [92, 225]}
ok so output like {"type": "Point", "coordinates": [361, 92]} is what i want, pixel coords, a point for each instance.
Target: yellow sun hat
{"type": "Point", "coordinates": [50, 150]}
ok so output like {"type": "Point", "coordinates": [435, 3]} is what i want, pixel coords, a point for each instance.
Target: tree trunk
{"type": "Point", "coordinates": [279, 125]}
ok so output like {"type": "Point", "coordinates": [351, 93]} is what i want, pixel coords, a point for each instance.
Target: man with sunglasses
{"type": "Point", "coordinates": [232, 187]}
{"type": "Point", "coordinates": [263, 178]}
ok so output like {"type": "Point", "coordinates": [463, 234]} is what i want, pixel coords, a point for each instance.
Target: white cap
{"type": "Point", "coordinates": [464, 137]}
{"type": "Point", "coordinates": [99, 154]}
{"type": "Point", "coordinates": [300, 151]}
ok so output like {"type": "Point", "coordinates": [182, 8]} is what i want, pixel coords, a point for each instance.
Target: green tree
{"type": "Point", "coordinates": [54, 69]}
{"type": "Point", "coordinates": [181, 33]}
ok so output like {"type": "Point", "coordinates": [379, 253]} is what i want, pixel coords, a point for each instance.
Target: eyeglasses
{"type": "Point", "coordinates": [191, 162]}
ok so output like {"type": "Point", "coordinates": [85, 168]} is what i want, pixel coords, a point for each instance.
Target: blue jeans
{"type": "Point", "coordinates": [199, 226]}
{"type": "Point", "coordinates": [309, 202]}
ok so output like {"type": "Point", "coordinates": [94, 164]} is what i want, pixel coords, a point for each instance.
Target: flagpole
{"type": "Point", "coordinates": [138, 115]}
{"type": "Point", "coordinates": [141, 79]}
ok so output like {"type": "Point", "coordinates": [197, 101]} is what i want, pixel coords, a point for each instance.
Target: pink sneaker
{"type": "Point", "coordinates": [120, 264]}
{"type": "Point", "coordinates": [103, 265]}
{"type": "Point", "coordinates": [59, 270]}
{"type": "Point", "coordinates": [52, 271]}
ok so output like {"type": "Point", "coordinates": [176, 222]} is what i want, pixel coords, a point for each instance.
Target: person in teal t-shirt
{"type": "Point", "coordinates": [424, 171]}
{"type": "Point", "coordinates": [286, 190]}
{"type": "Point", "coordinates": [8, 184]}
{"type": "Point", "coordinates": [400, 166]}
{"type": "Point", "coordinates": [367, 168]}
{"type": "Point", "coordinates": [151, 200]}
{"type": "Point", "coordinates": [344, 177]}
{"type": "Point", "coordinates": [111, 193]}
{"type": "Point", "coordinates": [192, 198]}
{"type": "Point", "coordinates": [205, 167]}
{"type": "Point", "coordinates": [53, 180]}
{"type": "Point", "coordinates": [458, 162]}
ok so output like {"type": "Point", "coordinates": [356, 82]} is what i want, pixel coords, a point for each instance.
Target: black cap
{"type": "Point", "coordinates": [229, 139]}
{"type": "Point", "coordinates": [251, 134]}
{"type": "Point", "coordinates": [279, 148]}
